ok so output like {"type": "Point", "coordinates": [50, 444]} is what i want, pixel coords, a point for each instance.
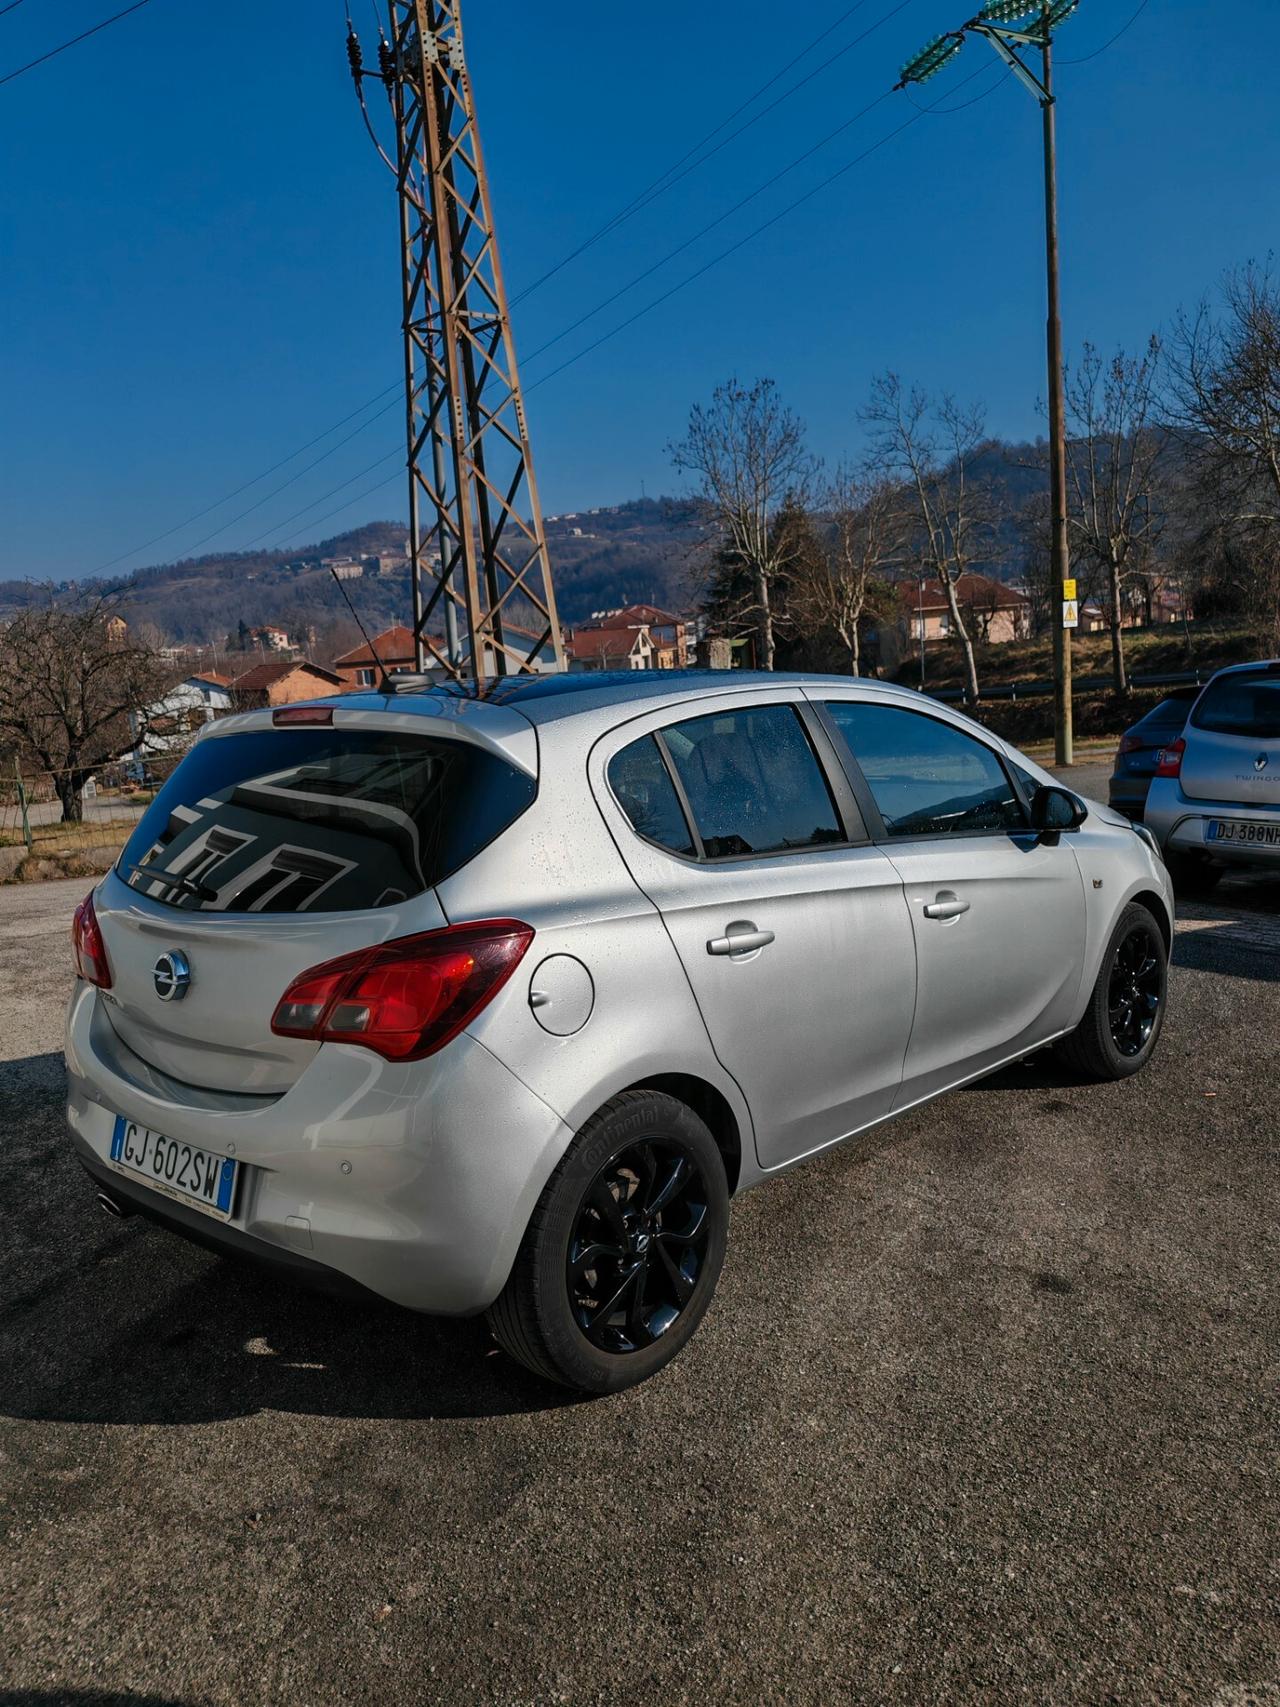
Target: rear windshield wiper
{"type": "Point", "coordinates": [173, 880]}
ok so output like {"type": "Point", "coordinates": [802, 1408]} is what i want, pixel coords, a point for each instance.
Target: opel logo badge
{"type": "Point", "coordinates": [1260, 763]}
{"type": "Point", "coordinates": [171, 976]}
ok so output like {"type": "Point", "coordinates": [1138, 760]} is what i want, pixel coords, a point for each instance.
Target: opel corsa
{"type": "Point", "coordinates": [492, 1003]}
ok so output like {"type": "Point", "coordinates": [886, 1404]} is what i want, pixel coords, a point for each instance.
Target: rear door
{"type": "Point", "coordinates": [998, 914]}
{"type": "Point", "coordinates": [1233, 740]}
{"type": "Point", "coordinates": [268, 851]}
{"type": "Point", "coordinates": [790, 926]}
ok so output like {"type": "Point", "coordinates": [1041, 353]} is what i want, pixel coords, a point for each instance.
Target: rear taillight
{"type": "Point", "coordinates": [1131, 743]}
{"type": "Point", "coordinates": [90, 950]}
{"type": "Point", "coordinates": [407, 998]}
{"type": "Point", "coordinates": [1169, 759]}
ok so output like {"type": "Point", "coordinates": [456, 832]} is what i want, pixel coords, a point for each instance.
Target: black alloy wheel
{"type": "Point", "coordinates": [1135, 989]}
{"type": "Point", "coordinates": [1122, 1021]}
{"type": "Point", "coordinates": [638, 1246]}
{"type": "Point", "coordinates": [621, 1256]}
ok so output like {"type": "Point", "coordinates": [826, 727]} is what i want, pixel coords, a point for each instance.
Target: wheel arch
{"type": "Point", "coordinates": [711, 1106]}
{"type": "Point", "coordinates": [1158, 907]}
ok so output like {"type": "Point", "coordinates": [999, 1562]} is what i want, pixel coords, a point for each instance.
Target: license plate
{"type": "Point", "coordinates": [175, 1168]}
{"type": "Point", "coordinates": [1242, 830]}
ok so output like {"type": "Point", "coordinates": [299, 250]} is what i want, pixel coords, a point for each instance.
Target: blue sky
{"type": "Point", "coordinates": [198, 250]}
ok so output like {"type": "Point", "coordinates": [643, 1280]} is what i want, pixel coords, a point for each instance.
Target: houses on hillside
{"type": "Point", "coordinates": [635, 637]}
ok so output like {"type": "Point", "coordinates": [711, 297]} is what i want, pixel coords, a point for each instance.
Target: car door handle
{"type": "Point", "coordinates": [945, 906]}
{"type": "Point", "coordinates": [741, 941]}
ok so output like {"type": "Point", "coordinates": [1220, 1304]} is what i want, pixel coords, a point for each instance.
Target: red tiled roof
{"type": "Point", "coordinates": [603, 643]}
{"type": "Point", "coordinates": [212, 677]}
{"type": "Point", "coordinates": [275, 670]}
{"type": "Point", "coordinates": [634, 616]}
{"type": "Point", "coordinates": [393, 646]}
{"type": "Point", "coordinates": [971, 589]}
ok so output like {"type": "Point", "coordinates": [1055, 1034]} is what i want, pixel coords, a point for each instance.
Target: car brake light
{"type": "Point", "coordinates": [1169, 759]}
{"type": "Point", "coordinates": [407, 998]}
{"type": "Point", "coordinates": [293, 715]}
{"type": "Point", "coordinates": [1131, 743]}
{"type": "Point", "coordinates": [90, 950]}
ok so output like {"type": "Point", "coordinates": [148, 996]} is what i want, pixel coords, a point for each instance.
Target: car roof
{"type": "Point", "coordinates": [550, 698]}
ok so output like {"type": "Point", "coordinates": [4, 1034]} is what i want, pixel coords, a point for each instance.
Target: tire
{"type": "Point", "coordinates": [645, 1180]}
{"type": "Point", "coordinates": [1192, 875]}
{"type": "Point", "coordinates": [1125, 1015]}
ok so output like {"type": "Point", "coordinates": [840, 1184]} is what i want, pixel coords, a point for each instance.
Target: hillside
{"type": "Point", "coordinates": [608, 556]}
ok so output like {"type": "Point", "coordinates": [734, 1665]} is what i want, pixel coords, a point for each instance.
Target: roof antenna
{"type": "Point", "coordinates": [384, 680]}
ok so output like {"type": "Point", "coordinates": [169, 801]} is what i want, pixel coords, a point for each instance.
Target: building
{"type": "Point", "coordinates": [271, 639]}
{"type": "Point", "coordinates": [666, 636]}
{"type": "Point", "coordinates": [343, 568]}
{"type": "Point", "coordinates": [170, 725]}
{"type": "Point", "coordinates": [991, 610]}
{"type": "Point", "coordinates": [392, 654]}
{"type": "Point", "coordinates": [600, 648]}
{"type": "Point", "coordinates": [281, 681]}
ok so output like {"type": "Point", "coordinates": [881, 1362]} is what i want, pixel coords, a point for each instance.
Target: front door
{"type": "Point", "coordinates": [791, 928]}
{"type": "Point", "coordinates": [998, 914]}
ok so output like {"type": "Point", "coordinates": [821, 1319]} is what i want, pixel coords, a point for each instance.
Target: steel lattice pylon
{"type": "Point", "coordinates": [470, 469]}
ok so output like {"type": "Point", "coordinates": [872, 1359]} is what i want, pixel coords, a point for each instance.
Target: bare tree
{"type": "Point", "coordinates": [1114, 452]}
{"type": "Point", "coordinates": [930, 449]}
{"type": "Point", "coordinates": [1226, 396]}
{"type": "Point", "coordinates": [869, 534]}
{"type": "Point", "coordinates": [747, 452]}
{"type": "Point", "coordinates": [69, 679]}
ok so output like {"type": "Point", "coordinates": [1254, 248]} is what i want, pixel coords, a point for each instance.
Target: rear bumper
{"type": "Point", "coordinates": [217, 1236]}
{"type": "Point", "coordinates": [416, 1180]}
{"type": "Point", "coordinates": [1128, 794]}
{"type": "Point", "coordinates": [1181, 826]}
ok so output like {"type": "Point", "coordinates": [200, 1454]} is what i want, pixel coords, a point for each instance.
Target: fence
{"type": "Point", "coordinates": [34, 827]}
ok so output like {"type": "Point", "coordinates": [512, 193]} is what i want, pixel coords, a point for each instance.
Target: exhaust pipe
{"type": "Point", "coordinates": [110, 1207]}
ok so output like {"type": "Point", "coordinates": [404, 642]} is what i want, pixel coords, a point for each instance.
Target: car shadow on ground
{"type": "Point", "coordinates": [86, 1698]}
{"type": "Point", "coordinates": [123, 1322]}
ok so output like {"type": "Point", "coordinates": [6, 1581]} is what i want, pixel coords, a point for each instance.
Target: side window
{"type": "Point", "coordinates": [753, 782]}
{"type": "Point", "coordinates": [643, 788]}
{"type": "Point", "coordinates": [927, 777]}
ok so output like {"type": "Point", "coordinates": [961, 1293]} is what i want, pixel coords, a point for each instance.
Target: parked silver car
{"type": "Point", "coordinates": [1214, 801]}
{"type": "Point", "coordinates": [492, 1003]}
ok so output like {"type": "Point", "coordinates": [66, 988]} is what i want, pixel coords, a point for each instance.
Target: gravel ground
{"type": "Point", "coordinates": [985, 1411]}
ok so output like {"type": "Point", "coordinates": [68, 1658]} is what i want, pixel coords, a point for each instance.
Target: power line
{"type": "Point", "coordinates": [83, 36]}
{"type": "Point", "coordinates": [9, 7]}
{"type": "Point", "coordinates": [671, 254]}
{"type": "Point", "coordinates": [724, 254]}
{"type": "Point", "coordinates": [285, 484]}
{"type": "Point", "coordinates": [750, 237]}
{"type": "Point", "coordinates": [673, 176]}
{"type": "Point", "coordinates": [245, 485]}
{"type": "Point", "coordinates": [1124, 28]}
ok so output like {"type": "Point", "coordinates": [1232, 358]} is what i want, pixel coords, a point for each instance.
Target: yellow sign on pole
{"type": "Point", "coordinates": [1068, 589]}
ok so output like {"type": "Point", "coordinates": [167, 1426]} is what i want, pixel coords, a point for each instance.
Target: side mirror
{"type": "Point", "coordinates": [1054, 809]}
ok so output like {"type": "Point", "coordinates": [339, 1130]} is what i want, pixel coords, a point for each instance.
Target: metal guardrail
{"type": "Point", "coordinates": [1039, 689]}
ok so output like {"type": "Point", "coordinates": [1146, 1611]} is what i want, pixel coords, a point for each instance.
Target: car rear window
{"type": "Point", "coordinates": [1244, 703]}
{"type": "Point", "coordinates": [318, 820]}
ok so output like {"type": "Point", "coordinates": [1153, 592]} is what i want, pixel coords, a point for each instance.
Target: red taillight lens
{"type": "Point", "coordinates": [404, 999]}
{"type": "Point", "coordinates": [1131, 743]}
{"type": "Point", "coordinates": [90, 951]}
{"type": "Point", "coordinates": [1169, 760]}
{"type": "Point", "coordinates": [287, 716]}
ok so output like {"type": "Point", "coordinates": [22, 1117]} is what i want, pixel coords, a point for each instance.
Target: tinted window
{"type": "Point", "coordinates": [928, 778]}
{"type": "Point", "coordinates": [1244, 704]}
{"type": "Point", "coordinates": [643, 788]}
{"type": "Point", "coordinates": [318, 820]}
{"type": "Point", "coordinates": [1169, 714]}
{"type": "Point", "coordinates": [753, 782]}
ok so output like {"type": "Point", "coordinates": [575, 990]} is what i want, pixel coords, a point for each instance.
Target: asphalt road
{"type": "Point", "coordinates": [985, 1411]}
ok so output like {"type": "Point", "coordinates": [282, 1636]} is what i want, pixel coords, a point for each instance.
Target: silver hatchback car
{"type": "Point", "coordinates": [1214, 801]}
{"type": "Point", "coordinates": [491, 1004]}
